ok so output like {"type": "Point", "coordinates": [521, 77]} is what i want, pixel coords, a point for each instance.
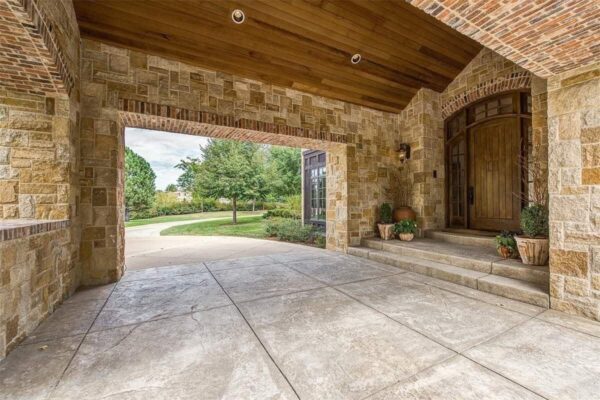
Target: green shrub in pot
{"type": "Point", "coordinates": [385, 224]}
{"type": "Point", "coordinates": [534, 221]}
{"type": "Point", "coordinates": [533, 245]}
{"type": "Point", "coordinates": [405, 229]}
{"type": "Point", "coordinates": [506, 244]}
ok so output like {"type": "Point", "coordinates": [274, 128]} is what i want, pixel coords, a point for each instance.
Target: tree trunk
{"type": "Point", "coordinates": [253, 205]}
{"type": "Point", "coordinates": [234, 208]}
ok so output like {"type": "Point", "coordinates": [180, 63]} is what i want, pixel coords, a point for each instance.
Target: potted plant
{"type": "Point", "coordinates": [506, 245]}
{"type": "Point", "coordinates": [385, 225]}
{"type": "Point", "coordinates": [533, 244]}
{"type": "Point", "coordinates": [404, 212]}
{"type": "Point", "coordinates": [406, 229]}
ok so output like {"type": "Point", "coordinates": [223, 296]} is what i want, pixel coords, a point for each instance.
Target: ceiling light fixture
{"type": "Point", "coordinates": [355, 59]}
{"type": "Point", "coordinates": [238, 16]}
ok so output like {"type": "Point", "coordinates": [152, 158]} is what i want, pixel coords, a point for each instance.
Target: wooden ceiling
{"type": "Point", "coordinates": [305, 45]}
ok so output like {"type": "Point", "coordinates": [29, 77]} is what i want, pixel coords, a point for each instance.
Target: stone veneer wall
{"type": "Point", "coordinates": [422, 127]}
{"type": "Point", "coordinates": [360, 141]}
{"type": "Point", "coordinates": [574, 186]}
{"type": "Point", "coordinates": [39, 160]}
{"type": "Point", "coordinates": [36, 274]}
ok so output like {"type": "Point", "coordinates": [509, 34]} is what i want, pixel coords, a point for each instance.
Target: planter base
{"type": "Point", "coordinates": [406, 237]}
{"type": "Point", "coordinates": [533, 251]}
{"type": "Point", "coordinates": [386, 231]}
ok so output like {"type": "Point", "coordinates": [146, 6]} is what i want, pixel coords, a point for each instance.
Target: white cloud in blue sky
{"type": "Point", "coordinates": [163, 150]}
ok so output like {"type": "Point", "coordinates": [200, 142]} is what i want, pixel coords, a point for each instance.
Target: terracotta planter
{"type": "Point", "coordinates": [505, 252]}
{"type": "Point", "coordinates": [386, 231]}
{"type": "Point", "coordinates": [533, 251]}
{"type": "Point", "coordinates": [406, 237]}
{"type": "Point", "coordinates": [404, 212]}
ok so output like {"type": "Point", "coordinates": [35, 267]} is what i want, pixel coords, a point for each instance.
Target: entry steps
{"type": "Point", "coordinates": [475, 266]}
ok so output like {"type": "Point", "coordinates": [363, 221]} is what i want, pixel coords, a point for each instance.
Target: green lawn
{"type": "Point", "coordinates": [247, 226]}
{"type": "Point", "coordinates": [186, 217]}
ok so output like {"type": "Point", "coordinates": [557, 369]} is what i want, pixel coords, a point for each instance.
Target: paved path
{"type": "Point", "coordinates": [153, 230]}
{"type": "Point", "coordinates": [294, 322]}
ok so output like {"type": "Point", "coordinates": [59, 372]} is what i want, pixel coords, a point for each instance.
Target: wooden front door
{"type": "Point", "coordinates": [485, 146]}
{"type": "Point", "coordinates": [494, 177]}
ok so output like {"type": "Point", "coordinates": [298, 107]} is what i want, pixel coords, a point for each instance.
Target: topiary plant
{"type": "Point", "coordinates": [405, 226]}
{"type": "Point", "coordinates": [385, 214]}
{"type": "Point", "coordinates": [534, 221]}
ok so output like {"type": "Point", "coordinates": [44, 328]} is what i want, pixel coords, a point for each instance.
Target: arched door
{"type": "Point", "coordinates": [486, 147]}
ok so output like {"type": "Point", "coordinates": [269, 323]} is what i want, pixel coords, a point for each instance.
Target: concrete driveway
{"type": "Point", "coordinates": [299, 323]}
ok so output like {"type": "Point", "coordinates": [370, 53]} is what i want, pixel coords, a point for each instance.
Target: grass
{"type": "Point", "coordinates": [187, 217]}
{"type": "Point", "coordinates": [247, 226]}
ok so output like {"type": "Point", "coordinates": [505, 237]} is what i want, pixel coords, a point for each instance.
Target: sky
{"type": "Point", "coordinates": [163, 150]}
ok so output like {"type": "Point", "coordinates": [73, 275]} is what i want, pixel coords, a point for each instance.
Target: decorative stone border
{"type": "Point", "coordinates": [514, 81]}
{"type": "Point", "coordinates": [207, 117]}
{"type": "Point", "coordinates": [11, 229]}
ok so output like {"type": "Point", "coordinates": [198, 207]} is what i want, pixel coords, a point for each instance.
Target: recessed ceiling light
{"type": "Point", "coordinates": [238, 16]}
{"type": "Point", "coordinates": [355, 59]}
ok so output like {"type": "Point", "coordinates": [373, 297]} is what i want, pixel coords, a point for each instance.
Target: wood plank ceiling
{"type": "Point", "coordinates": [305, 45]}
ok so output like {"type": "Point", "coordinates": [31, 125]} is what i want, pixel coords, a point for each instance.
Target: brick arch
{"type": "Point", "coordinates": [146, 115]}
{"type": "Point", "coordinates": [514, 81]}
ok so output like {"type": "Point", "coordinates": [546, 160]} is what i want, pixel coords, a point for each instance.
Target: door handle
{"type": "Point", "coordinates": [471, 195]}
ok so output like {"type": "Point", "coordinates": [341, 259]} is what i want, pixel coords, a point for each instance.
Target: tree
{"type": "Point", "coordinates": [139, 182]}
{"type": "Point", "coordinates": [189, 180]}
{"type": "Point", "coordinates": [283, 172]}
{"type": "Point", "coordinates": [227, 171]}
{"type": "Point", "coordinates": [171, 187]}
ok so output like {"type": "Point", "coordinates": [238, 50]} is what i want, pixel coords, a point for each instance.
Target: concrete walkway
{"type": "Point", "coordinates": [297, 323]}
{"type": "Point", "coordinates": [153, 230]}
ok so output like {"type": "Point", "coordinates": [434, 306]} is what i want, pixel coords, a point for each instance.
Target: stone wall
{"type": "Point", "coordinates": [574, 186]}
{"type": "Point", "coordinates": [39, 161]}
{"type": "Point", "coordinates": [121, 87]}
{"type": "Point", "coordinates": [35, 156]}
{"type": "Point", "coordinates": [36, 274]}
{"type": "Point", "coordinates": [422, 178]}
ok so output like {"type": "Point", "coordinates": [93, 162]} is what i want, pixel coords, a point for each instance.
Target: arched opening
{"type": "Point", "coordinates": [487, 147]}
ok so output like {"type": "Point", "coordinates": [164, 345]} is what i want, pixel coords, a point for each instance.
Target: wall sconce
{"type": "Point", "coordinates": [403, 152]}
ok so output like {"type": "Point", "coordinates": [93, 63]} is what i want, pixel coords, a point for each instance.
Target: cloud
{"type": "Point", "coordinates": [163, 150]}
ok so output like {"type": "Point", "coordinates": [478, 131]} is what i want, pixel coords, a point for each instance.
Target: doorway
{"type": "Point", "coordinates": [487, 145]}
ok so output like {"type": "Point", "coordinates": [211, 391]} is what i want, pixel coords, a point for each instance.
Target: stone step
{"type": "Point", "coordinates": [433, 250]}
{"type": "Point", "coordinates": [463, 238]}
{"type": "Point", "coordinates": [476, 258]}
{"type": "Point", "coordinates": [527, 292]}
{"type": "Point", "coordinates": [515, 269]}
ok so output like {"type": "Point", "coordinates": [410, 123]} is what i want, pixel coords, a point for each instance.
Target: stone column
{"type": "Point", "coordinates": [421, 126]}
{"type": "Point", "coordinates": [337, 199]}
{"type": "Point", "coordinates": [574, 188]}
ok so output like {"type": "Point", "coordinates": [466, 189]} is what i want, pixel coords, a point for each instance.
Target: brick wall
{"type": "Point", "coordinates": [574, 186]}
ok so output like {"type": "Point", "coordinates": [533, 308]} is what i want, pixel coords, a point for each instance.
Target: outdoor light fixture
{"type": "Point", "coordinates": [355, 59]}
{"type": "Point", "coordinates": [403, 152]}
{"type": "Point", "coordinates": [238, 16]}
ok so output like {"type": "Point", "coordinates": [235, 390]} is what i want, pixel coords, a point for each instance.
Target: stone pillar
{"type": "Point", "coordinates": [574, 189]}
{"type": "Point", "coordinates": [539, 136]}
{"type": "Point", "coordinates": [422, 127]}
{"type": "Point", "coordinates": [337, 199]}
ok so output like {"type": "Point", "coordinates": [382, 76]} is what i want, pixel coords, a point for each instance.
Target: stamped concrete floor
{"type": "Point", "coordinates": [300, 323]}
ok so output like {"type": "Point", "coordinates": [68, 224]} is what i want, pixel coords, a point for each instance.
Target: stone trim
{"type": "Point", "coordinates": [514, 81]}
{"type": "Point", "coordinates": [39, 28]}
{"type": "Point", "coordinates": [19, 228]}
{"type": "Point", "coordinates": [206, 117]}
